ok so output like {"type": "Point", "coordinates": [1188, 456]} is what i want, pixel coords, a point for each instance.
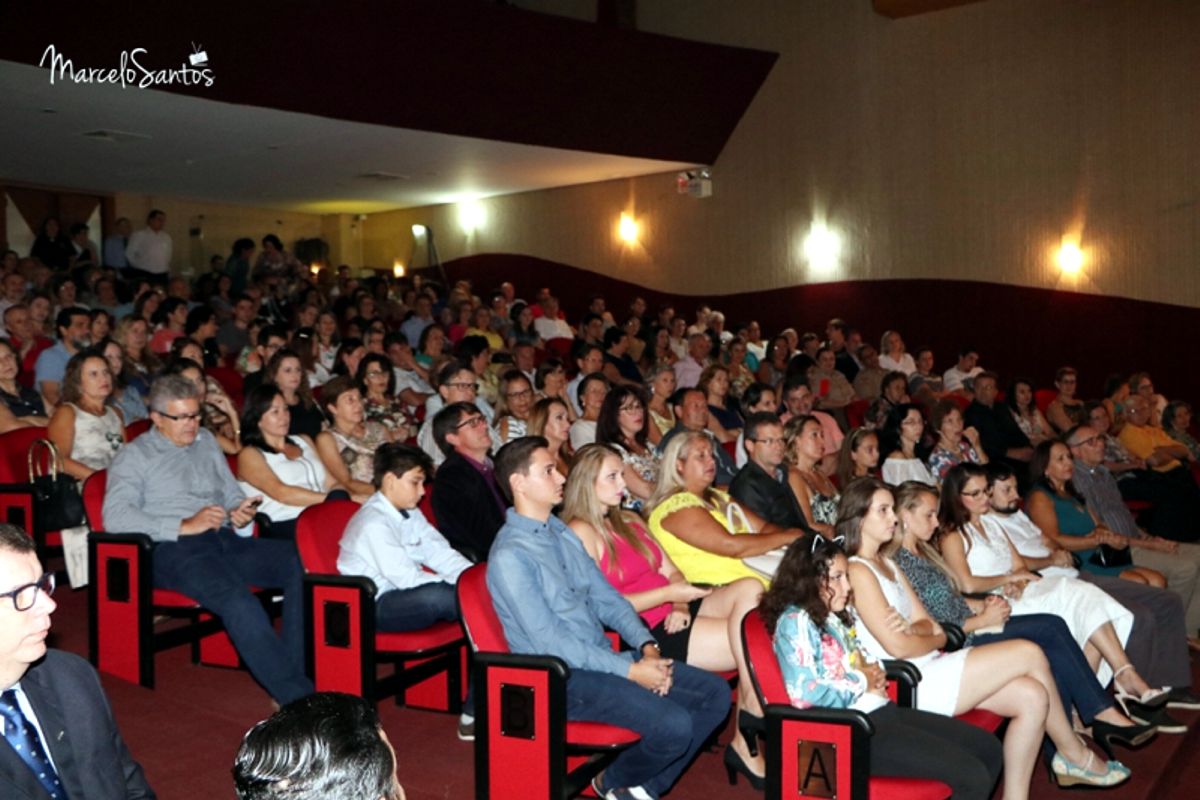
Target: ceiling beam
{"type": "Point", "coordinates": [908, 8]}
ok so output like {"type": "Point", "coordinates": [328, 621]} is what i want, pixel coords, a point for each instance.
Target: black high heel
{"type": "Point", "coordinates": [751, 727]}
{"type": "Point", "coordinates": [1105, 733]}
{"type": "Point", "coordinates": [734, 764]}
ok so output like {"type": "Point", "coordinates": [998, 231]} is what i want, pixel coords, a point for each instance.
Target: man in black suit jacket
{"type": "Point", "coordinates": [466, 500]}
{"type": "Point", "coordinates": [70, 717]}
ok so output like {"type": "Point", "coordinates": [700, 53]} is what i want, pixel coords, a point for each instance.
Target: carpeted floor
{"type": "Point", "coordinates": [186, 731]}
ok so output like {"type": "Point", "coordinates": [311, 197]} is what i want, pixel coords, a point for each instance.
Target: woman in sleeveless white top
{"type": "Point", "coordinates": [941, 673]}
{"type": "Point", "coordinates": [305, 472]}
{"type": "Point", "coordinates": [1084, 607]}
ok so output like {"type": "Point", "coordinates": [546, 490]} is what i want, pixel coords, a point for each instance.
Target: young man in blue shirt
{"type": "Point", "coordinates": [553, 600]}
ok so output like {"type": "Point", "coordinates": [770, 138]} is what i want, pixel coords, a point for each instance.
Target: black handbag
{"type": "Point", "coordinates": [1108, 556]}
{"type": "Point", "coordinates": [56, 499]}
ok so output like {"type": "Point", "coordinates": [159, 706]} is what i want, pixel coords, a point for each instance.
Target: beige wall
{"type": "Point", "coordinates": [221, 225]}
{"type": "Point", "coordinates": [959, 144]}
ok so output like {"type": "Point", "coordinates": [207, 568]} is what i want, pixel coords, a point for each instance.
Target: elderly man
{"type": "Point", "coordinates": [60, 737]}
{"type": "Point", "coordinates": [1179, 562]}
{"type": "Point", "coordinates": [1157, 643]}
{"type": "Point", "coordinates": [691, 414]}
{"type": "Point", "coordinates": [761, 485]}
{"type": "Point", "coordinates": [687, 370]}
{"type": "Point", "coordinates": [174, 485]}
{"type": "Point", "coordinates": [1145, 441]}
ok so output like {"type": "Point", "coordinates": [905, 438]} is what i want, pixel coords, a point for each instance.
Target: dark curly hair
{"type": "Point", "coordinates": [800, 581]}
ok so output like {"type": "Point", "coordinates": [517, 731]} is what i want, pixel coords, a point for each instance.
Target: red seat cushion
{"type": "Point", "coordinates": [598, 735]}
{"type": "Point", "coordinates": [436, 635]}
{"type": "Point", "coordinates": [982, 719]}
{"type": "Point", "coordinates": [908, 789]}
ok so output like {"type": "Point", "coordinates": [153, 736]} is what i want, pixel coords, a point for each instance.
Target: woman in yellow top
{"type": "Point", "coordinates": [699, 527]}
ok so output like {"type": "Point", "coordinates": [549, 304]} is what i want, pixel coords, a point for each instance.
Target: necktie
{"type": "Point", "coordinates": [23, 738]}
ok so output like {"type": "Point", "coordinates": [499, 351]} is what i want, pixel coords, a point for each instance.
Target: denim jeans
{"type": "Point", "coordinates": [672, 727]}
{"type": "Point", "coordinates": [217, 569]}
{"type": "Point", "coordinates": [1077, 684]}
{"type": "Point", "coordinates": [401, 610]}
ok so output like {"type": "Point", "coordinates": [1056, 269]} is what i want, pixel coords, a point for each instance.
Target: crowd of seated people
{"type": "Point", "coordinates": [693, 457]}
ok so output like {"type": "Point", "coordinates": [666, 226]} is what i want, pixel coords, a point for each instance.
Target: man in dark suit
{"type": "Point", "coordinates": [466, 500]}
{"type": "Point", "coordinates": [761, 485]}
{"type": "Point", "coordinates": [60, 739]}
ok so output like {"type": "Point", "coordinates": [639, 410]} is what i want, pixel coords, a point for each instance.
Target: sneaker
{"type": "Point", "coordinates": [622, 793]}
{"type": "Point", "coordinates": [466, 730]}
{"type": "Point", "coordinates": [1181, 697]}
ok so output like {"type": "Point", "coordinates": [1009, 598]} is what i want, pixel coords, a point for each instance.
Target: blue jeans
{"type": "Point", "coordinates": [412, 609]}
{"type": "Point", "coordinates": [217, 569]}
{"type": "Point", "coordinates": [1077, 684]}
{"type": "Point", "coordinates": [672, 728]}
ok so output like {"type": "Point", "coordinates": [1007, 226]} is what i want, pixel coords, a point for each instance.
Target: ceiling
{"type": "Point", "coordinates": [266, 158]}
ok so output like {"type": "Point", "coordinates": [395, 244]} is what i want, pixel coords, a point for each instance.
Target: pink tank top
{"type": "Point", "coordinates": [637, 574]}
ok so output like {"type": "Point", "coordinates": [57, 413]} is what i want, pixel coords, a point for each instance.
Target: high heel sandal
{"type": "Point", "coordinates": [735, 764]}
{"type": "Point", "coordinates": [1151, 698]}
{"type": "Point", "coordinates": [1105, 733]}
{"type": "Point", "coordinates": [751, 727]}
{"type": "Point", "coordinates": [1065, 774]}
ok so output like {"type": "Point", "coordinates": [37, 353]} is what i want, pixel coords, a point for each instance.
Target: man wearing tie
{"type": "Point", "coordinates": [60, 740]}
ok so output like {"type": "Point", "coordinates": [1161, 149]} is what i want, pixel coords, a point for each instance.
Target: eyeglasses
{"type": "Point", "coordinates": [521, 394]}
{"type": "Point", "coordinates": [771, 440]}
{"type": "Point", "coordinates": [24, 597]}
{"type": "Point", "coordinates": [472, 422]}
{"type": "Point", "coordinates": [180, 417]}
{"type": "Point", "coordinates": [462, 386]}
{"type": "Point", "coordinates": [1087, 442]}
{"type": "Point", "coordinates": [974, 493]}
{"type": "Point", "coordinates": [629, 409]}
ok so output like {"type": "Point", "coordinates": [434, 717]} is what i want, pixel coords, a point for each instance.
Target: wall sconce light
{"type": "Point", "coordinates": [1070, 257]}
{"type": "Point", "coordinates": [471, 216]}
{"type": "Point", "coordinates": [418, 230]}
{"type": "Point", "coordinates": [822, 247]}
{"type": "Point", "coordinates": [628, 229]}
{"type": "Point", "coordinates": [315, 268]}
{"type": "Point", "coordinates": [397, 269]}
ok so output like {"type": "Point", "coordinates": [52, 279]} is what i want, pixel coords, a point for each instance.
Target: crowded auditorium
{"type": "Point", "coordinates": [623, 399]}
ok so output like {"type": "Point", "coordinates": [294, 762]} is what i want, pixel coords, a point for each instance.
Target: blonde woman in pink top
{"type": "Point", "coordinates": [701, 627]}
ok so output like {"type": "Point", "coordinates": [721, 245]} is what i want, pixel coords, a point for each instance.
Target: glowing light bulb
{"type": "Point", "coordinates": [822, 247]}
{"type": "Point", "coordinates": [471, 217]}
{"type": "Point", "coordinates": [628, 229]}
{"type": "Point", "coordinates": [1070, 258]}
{"type": "Point", "coordinates": [397, 269]}
{"type": "Point", "coordinates": [418, 230]}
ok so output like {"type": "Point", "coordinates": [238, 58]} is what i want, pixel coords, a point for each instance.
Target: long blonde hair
{"type": "Point", "coordinates": [907, 496]}
{"type": "Point", "coordinates": [580, 502]}
{"type": "Point", "coordinates": [670, 479]}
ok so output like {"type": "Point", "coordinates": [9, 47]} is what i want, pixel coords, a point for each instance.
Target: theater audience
{"type": "Point", "coordinates": [999, 434]}
{"type": "Point", "coordinates": [1176, 421]}
{"type": "Point", "coordinates": [804, 445]}
{"type": "Point", "coordinates": [72, 325]}
{"type": "Point", "coordinates": [377, 382]}
{"type": "Point", "coordinates": [269, 340]}
{"type": "Point", "coordinates": [1012, 678]}
{"type": "Point", "coordinates": [956, 444]}
{"type": "Point", "coordinates": [218, 415]}
{"type": "Point", "coordinates": [174, 484]}
{"type": "Point", "coordinates": [700, 528]}
{"type": "Point", "coordinates": [624, 427]}
{"type": "Point", "coordinates": [724, 419]}
{"type": "Point", "coordinates": [348, 445]}
{"type": "Point", "coordinates": [868, 383]}
{"type": "Point", "coordinates": [773, 368]}
{"type": "Point", "coordinates": [798, 400]}
{"type": "Point", "coordinates": [689, 369]}
{"type": "Point", "coordinates": [516, 401]}
{"type": "Point", "coordinates": [1140, 384]}
{"type": "Point", "coordinates": [1150, 443]}
{"type": "Point", "coordinates": [892, 355]}
{"type": "Point", "coordinates": [619, 367]}
{"type": "Point", "coordinates": [1020, 401]}
{"type": "Point", "coordinates": [961, 377]}
{"type": "Point", "coordinates": [696, 625]}
{"type": "Point", "coordinates": [285, 371]}
{"type": "Point", "coordinates": [170, 320]}
{"type": "Point", "coordinates": [759, 398]}
{"type": "Point", "coordinates": [467, 504]}
{"type": "Point", "coordinates": [902, 439]}
{"type": "Point", "coordinates": [662, 417]}
{"type": "Point", "coordinates": [455, 383]}
{"type": "Point", "coordinates": [837, 339]}
{"type": "Point", "coordinates": [24, 405]}
{"type": "Point", "coordinates": [830, 385]}
{"type": "Point", "coordinates": [551, 419]}
{"type": "Point", "coordinates": [284, 467]}
{"type": "Point", "coordinates": [691, 415]}
{"type": "Point", "coordinates": [139, 363]}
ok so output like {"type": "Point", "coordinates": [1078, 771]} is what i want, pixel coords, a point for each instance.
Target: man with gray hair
{"type": "Point", "coordinates": [174, 484]}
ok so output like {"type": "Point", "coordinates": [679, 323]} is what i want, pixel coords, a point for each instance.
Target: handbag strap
{"type": "Point", "coordinates": [33, 463]}
{"type": "Point", "coordinates": [732, 511]}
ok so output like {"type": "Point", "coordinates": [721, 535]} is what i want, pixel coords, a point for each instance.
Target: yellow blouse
{"type": "Point", "coordinates": [701, 566]}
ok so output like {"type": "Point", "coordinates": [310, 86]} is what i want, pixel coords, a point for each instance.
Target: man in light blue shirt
{"type": "Point", "coordinates": [552, 599]}
{"type": "Point", "coordinates": [73, 332]}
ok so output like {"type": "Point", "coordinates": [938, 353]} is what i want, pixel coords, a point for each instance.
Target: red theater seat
{"type": "Point", "coordinates": [137, 428]}
{"type": "Point", "coordinates": [797, 738]}
{"type": "Point", "coordinates": [123, 603]}
{"type": "Point", "coordinates": [343, 649]}
{"type": "Point", "coordinates": [16, 492]}
{"type": "Point", "coordinates": [524, 745]}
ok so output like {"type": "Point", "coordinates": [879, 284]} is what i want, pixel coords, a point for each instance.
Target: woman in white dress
{"type": "Point", "coordinates": [1012, 679]}
{"type": "Point", "coordinates": [900, 438]}
{"type": "Point", "coordinates": [982, 559]}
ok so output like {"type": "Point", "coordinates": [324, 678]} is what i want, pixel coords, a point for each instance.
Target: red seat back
{"type": "Point", "coordinates": [137, 428]}
{"type": "Point", "coordinates": [478, 614]}
{"type": "Point", "coordinates": [318, 532]}
{"type": "Point", "coordinates": [426, 505]}
{"type": "Point", "coordinates": [761, 661]}
{"type": "Point", "coordinates": [14, 452]}
{"type": "Point", "coordinates": [231, 381]}
{"type": "Point", "coordinates": [856, 413]}
{"type": "Point", "coordinates": [1043, 398]}
{"type": "Point", "coordinates": [93, 498]}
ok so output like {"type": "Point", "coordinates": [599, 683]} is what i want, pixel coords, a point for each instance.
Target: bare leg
{"type": "Point", "coordinates": [1105, 640]}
